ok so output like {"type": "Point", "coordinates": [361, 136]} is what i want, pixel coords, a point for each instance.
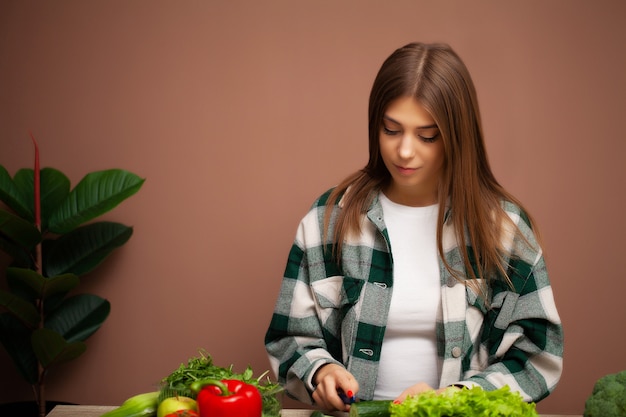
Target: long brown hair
{"type": "Point", "coordinates": [438, 79]}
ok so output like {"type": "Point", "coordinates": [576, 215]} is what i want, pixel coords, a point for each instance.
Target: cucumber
{"type": "Point", "coordinates": [140, 405]}
{"type": "Point", "coordinates": [318, 413]}
{"type": "Point", "coordinates": [375, 408]}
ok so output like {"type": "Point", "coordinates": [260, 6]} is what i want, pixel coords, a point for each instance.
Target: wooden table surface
{"type": "Point", "coordinates": [98, 410]}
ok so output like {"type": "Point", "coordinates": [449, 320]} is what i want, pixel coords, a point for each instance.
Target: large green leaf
{"type": "Point", "coordinates": [51, 349]}
{"type": "Point", "coordinates": [15, 337]}
{"type": "Point", "coordinates": [21, 257]}
{"type": "Point", "coordinates": [24, 181]}
{"type": "Point", "coordinates": [78, 317]}
{"type": "Point", "coordinates": [13, 196]}
{"type": "Point", "coordinates": [96, 194]}
{"type": "Point", "coordinates": [18, 231]}
{"type": "Point", "coordinates": [83, 249]}
{"type": "Point", "coordinates": [55, 187]}
{"type": "Point", "coordinates": [53, 190]}
{"type": "Point", "coordinates": [34, 285]}
{"type": "Point", "coordinates": [18, 238]}
{"type": "Point", "coordinates": [21, 309]}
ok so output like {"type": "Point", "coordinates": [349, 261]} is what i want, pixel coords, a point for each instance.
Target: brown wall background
{"type": "Point", "coordinates": [239, 113]}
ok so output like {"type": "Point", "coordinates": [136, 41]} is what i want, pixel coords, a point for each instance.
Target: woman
{"type": "Point", "coordinates": [420, 271]}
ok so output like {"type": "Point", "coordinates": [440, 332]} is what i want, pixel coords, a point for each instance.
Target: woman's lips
{"type": "Point", "coordinates": [405, 170]}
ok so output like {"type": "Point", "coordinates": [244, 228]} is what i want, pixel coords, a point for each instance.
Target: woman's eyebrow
{"type": "Point", "coordinates": [434, 125]}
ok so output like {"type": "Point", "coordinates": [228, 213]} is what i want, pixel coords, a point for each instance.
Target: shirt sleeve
{"type": "Point", "coordinates": [295, 339]}
{"type": "Point", "coordinates": [522, 336]}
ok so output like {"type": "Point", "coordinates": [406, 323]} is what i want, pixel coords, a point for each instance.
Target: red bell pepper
{"type": "Point", "coordinates": [227, 398]}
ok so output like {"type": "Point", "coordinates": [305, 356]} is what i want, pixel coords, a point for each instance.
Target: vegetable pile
{"type": "Point", "coordinates": [608, 398]}
{"type": "Point", "coordinates": [200, 388]}
{"type": "Point", "coordinates": [200, 368]}
{"type": "Point", "coordinates": [465, 402]}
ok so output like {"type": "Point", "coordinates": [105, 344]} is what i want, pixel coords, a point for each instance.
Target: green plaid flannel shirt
{"type": "Point", "coordinates": [327, 313]}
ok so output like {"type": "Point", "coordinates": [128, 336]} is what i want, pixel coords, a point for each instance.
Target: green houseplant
{"type": "Point", "coordinates": [48, 230]}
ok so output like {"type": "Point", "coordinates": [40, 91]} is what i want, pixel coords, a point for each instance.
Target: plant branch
{"type": "Point", "coordinates": [41, 401]}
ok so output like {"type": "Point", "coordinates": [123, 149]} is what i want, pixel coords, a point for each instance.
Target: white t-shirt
{"type": "Point", "coordinates": [409, 350]}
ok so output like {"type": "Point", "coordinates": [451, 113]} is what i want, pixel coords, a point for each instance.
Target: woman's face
{"type": "Point", "coordinates": [412, 150]}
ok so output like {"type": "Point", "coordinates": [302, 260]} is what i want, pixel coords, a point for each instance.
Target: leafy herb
{"type": "Point", "coordinates": [202, 367]}
{"type": "Point", "coordinates": [465, 403]}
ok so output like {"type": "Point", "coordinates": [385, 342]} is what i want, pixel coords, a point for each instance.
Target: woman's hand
{"type": "Point", "coordinates": [329, 379]}
{"type": "Point", "coordinates": [419, 388]}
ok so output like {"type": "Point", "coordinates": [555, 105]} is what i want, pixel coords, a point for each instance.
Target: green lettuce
{"type": "Point", "coordinates": [465, 402]}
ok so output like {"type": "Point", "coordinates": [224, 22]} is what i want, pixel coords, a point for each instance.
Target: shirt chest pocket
{"type": "Point", "coordinates": [335, 295]}
{"type": "Point", "coordinates": [493, 309]}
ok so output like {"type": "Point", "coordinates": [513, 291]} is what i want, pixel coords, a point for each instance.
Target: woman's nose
{"type": "Point", "coordinates": [406, 150]}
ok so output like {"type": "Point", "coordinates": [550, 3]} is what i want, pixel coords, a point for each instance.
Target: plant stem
{"type": "Point", "coordinates": [37, 184]}
{"type": "Point", "coordinates": [41, 401]}
{"type": "Point", "coordinates": [41, 372]}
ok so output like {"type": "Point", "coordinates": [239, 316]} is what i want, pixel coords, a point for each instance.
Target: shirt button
{"type": "Point", "coordinates": [456, 351]}
{"type": "Point", "coordinates": [451, 282]}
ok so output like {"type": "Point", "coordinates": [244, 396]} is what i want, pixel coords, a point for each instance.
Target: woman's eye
{"type": "Point", "coordinates": [390, 132]}
{"type": "Point", "coordinates": [429, 139]}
